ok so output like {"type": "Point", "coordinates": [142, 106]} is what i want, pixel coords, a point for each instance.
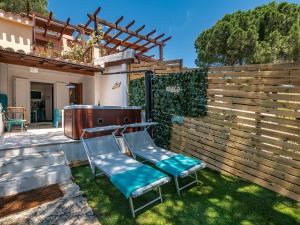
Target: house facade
{"type": "Point", "coordinates": [37, 73]}
{"type": "Point", "coordinates": [31, 84]}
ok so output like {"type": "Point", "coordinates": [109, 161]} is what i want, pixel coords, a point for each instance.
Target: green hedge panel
{"type": "Point", "coordinates": [182, 94]}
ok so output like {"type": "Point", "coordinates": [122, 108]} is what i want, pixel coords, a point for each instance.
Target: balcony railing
{"type": "Point", "coordinates": [74, 54]}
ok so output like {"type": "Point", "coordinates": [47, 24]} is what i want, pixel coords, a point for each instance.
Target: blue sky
{"type": "Point", "coordinates": [181, 19]}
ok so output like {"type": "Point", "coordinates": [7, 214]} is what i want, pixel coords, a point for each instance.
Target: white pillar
{"type": "Point", "coordinates": [3, 78]}
{"type": "Point", "coordinates": [61, 95]}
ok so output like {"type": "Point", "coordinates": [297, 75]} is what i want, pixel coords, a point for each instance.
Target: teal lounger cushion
{"type": "Point", "coordinates": [175, 165]}
{"type": "Point", "coordinates": [129, 181]}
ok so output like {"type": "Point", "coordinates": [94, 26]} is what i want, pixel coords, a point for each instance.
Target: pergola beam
{"type": "Point", "coordinates": [140, 43]}
{"type": "Point", "coordinates": [47, 24]}
{"type": "Point", "coordinates": [148, 42]}
{"type": "Point", "coordinates": [151, 33]}
{"type": "Point", "coordinates": [64, 29]}
{"type": "Point", "coordinates": [166, 39]}
{"type": "Point", "coordinates": [114, 25]}
{"type": "Point", "coordinates": [129, 36]}
{"type": "Point", "coordinates": [116, 42]}
{"type": "Point", "coordinates": [119, 33]}
{"type": "Point", "coordinates": [139, 40]}
{"type": "Point", "coordinates": [130, 24]}
{"type": "Point", "coordinates": [153, 46]}
{"type": "Point", "coordinates": [159, 36]}
{"type": "Point", "coordinates": [89, 21]}
{"type": "Point", "coordinates": [130, 32]}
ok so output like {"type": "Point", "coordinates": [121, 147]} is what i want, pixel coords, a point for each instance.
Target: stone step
{"type": "Point", "coordinates": [30, 172]}
{"type": "Point", "coordinates": [8, 153]}
{"type": "Point", "coordinates": [12, 159]}
{"type": "Point", "coordinates": [34, 178]}
{"type": "Point", "coordinates": [20, 163]}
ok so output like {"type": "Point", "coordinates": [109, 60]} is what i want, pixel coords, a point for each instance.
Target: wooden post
{"type": "Point", "coordinates": [33, 33]}
{"type": "Point", "coordinates": [95, 24]}
{"type": "Point", "coordinates": [47, 24]}
{"type": "Point", "coordinates": [148, 95]}
{"type": "Point", "coordinates": [161, 52]}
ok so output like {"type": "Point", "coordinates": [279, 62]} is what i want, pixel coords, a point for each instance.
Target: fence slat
{"type": "Point", "coordinates": [257, 169]}
{"type": "Point", "coordinates": [252, 127]}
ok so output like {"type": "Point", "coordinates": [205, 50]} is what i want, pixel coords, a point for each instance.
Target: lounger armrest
{"type": "Point", "coordinates": [99, 129]}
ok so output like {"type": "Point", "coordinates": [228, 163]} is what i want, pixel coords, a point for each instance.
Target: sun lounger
{"type": "Point", "coordinates": [141, 144]}
{"type": "Point", "coordinates": [131, 177]}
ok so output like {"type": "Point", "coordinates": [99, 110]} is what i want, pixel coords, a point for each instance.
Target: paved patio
{"type": "Point", "coordinates": [33, 137]}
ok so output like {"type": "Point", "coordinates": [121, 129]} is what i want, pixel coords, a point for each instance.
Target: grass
{"type": "Point", "coordinates": [219, 200]}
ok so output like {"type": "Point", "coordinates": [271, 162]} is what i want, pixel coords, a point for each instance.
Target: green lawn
{"type": "Point", "coordinates": [219, 200]}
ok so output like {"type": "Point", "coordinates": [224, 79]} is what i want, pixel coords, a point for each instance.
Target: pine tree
{"type": "Point", "coordinates": [266, 34]}
{"type": "Point", "coordinates": [18, 6]}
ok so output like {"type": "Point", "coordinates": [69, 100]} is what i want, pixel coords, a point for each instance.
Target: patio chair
{"type": "Point", "coordinates": [142, 145]}
{"type": "Point", "coordinates": [15, 116]}
{"type": "Point", "coordinates": [131, 177]}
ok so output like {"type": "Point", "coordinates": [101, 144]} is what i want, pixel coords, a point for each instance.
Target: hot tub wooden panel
{"type": "Point", "coordinates": [78, 118]}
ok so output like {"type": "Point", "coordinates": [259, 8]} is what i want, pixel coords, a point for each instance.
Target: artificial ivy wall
{"type": "Point", "coordinates": [179, 94]}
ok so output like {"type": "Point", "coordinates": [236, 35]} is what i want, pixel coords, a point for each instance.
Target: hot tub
{"type": "Point", "coordinates": [78, 117]}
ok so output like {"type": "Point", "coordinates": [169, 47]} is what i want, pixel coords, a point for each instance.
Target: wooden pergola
{"type": "Point", "coordinates": [23, 59]}
{"type": "Point", "coordinates": [112, 43]}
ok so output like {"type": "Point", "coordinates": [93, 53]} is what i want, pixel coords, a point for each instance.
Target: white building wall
{"type": "Point", "coordinates": [106, 95]}
{"type": "Point", "coordinates": [15, 32]}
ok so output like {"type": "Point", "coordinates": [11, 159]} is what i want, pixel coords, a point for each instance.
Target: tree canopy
{"type": "Point", "coordinates": [17, 6]}
{"type": "Point", "coordinates": [266, 34]}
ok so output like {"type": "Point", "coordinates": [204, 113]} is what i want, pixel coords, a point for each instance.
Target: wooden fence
{"type": "Point", "coordinates": [160, 68]}
{"type": "Point", "coordinates": [252, 127]}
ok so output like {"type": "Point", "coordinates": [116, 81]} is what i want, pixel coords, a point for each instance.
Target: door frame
{"type": "Point", "coordinates": [52, 90]}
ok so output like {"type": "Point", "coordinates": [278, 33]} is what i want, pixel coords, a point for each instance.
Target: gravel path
{"type": "Point", "coordinates": [71, 209]}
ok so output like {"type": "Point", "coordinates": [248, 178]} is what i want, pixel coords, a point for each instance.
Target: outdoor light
{"type": "Point", "coordinates": [70, 85]}
{"type": "Point", "coordinates": [116, 85]}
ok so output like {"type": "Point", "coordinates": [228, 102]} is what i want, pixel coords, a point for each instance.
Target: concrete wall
{"type": "Point", "coordinates": [15, 32]}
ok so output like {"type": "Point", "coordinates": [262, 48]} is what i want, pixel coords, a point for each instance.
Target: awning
{"type": "Point", "coordinates": [20, 58]}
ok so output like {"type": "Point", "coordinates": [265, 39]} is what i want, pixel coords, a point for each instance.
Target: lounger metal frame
{"type": "Point", "coordinates": [94, 168]}
{"type": "Point", "coordinates": [146, 126]}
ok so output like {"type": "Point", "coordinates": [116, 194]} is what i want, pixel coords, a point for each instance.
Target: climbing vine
{"type": "Point", "coordinates": [179, 94]}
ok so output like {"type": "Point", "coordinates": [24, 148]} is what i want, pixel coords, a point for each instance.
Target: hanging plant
{"type": "Point", "coordinates": [79, 50]}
